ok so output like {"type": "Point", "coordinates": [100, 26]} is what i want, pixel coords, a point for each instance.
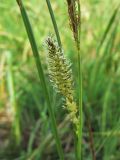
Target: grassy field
{"type": "Point", "coordinates": [25, 128]}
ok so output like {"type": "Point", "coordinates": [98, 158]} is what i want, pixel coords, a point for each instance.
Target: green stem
{"type": "Point", "coordinates": [41, 76]}
{"type": "Point", "coordinates": [54, 23]}
{"type": "Point", "coordinates": [79, 144]}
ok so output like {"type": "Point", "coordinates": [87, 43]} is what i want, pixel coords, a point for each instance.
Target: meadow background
{"type": "Point", "coordinates": [25, 131]}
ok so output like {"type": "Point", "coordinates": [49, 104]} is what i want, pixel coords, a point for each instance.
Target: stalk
{"type": "Point", "coordinates": [41, 76]}
{"type": "Point", "coordinates": [74, 13]}
{"type": "Point", "coordinates": [79, 143]}
{"type": "Point", "coordinates": [54, 23]}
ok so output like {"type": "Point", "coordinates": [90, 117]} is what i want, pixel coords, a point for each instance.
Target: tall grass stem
{"type": "Point", "coordinates": [54, 23]}
{"type": "Point", "coordinates": [79, 143]}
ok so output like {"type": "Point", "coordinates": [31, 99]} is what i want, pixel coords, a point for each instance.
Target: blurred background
{"type": "Point", "coordinates": [25, 131]}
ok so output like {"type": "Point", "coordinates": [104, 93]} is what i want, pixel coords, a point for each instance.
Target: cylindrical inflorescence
{"type": "Point", "coordinates": [60, 74]}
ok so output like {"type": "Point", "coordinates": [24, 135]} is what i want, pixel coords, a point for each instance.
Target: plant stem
{"type": "Point", "coordinates": [79, 144]}
{"type": "Point", "coordinates": [41, 76]}
{"type": "Point", "coordinates": [54, 23]}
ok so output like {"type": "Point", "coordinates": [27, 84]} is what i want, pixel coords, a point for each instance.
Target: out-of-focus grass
{"type": "Point", "coordinates": [101, 79]}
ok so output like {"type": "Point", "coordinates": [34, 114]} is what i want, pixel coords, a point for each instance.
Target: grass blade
{"type": "Point", "coordinates": [54, 23]}
{"type": "Point", "coordinates": [13, 103]}
{"type": "Point", "coordinates": [32, 136]}
{"type": "Point", "coordinates": [41, 75]}
{"type": "Point", "coordinates": [107, 32]}
{"type": "Point", "coordinates": [110, 24]}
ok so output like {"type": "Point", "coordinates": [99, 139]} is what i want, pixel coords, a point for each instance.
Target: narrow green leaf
{"type": "Point", "coordinates": [107, 30]}
{"type": "Point", "coordinates": [13, 102]}
{"type": "Point", "coordinates": [41, 75]}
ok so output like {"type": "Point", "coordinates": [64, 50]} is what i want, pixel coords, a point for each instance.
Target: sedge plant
{"type": "Point", "coordinates": [60, 71]}
{"type": "Point", "coordinates": [74, 13]}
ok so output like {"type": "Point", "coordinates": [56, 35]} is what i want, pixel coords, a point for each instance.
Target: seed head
{"type": "Point", "coordinates": [74, 17]}
{"type": "Point", "coordinates": [60, 74]}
